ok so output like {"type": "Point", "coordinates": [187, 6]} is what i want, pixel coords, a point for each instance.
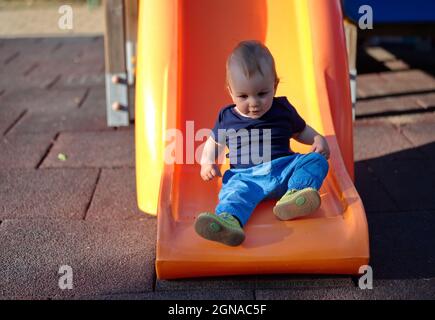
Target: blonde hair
{"type": "Point", "coordinates": [248, 55]}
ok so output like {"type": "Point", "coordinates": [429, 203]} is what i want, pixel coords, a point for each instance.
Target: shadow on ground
{"type": "Point", "coordinates": [412, 57]}
{"type": "Point", "coordinates": [398, 193]}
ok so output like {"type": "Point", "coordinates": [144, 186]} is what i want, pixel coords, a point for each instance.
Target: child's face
{"type": "Point", "coordinates": [253, 97]}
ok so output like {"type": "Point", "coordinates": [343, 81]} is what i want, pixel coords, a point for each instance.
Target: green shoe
{"type": "Point", "coordinates": [222, 228]}
{"type": "Point", "coordinates": [297, 203]}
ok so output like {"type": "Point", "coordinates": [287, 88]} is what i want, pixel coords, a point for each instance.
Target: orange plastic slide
{"type": "Point", "coordinates": [182, 48]}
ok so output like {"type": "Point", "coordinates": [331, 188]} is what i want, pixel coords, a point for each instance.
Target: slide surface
{"type": "Point", "coordinates": [182, 49]}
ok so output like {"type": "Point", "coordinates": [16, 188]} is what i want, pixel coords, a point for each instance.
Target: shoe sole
{"type": "Point", "coordinates": [210, 228]}
{"type": "Point", "coordinates": [291, 210]}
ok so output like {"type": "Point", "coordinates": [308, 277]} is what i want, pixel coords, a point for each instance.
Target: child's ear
{"type": "Point", "coordinates": [276, 86]}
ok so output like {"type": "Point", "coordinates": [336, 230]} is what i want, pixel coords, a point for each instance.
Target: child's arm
{"type": "Point", "coordinates": [211, 152]}
{"type": "Point", "coordinates": [316, 140]}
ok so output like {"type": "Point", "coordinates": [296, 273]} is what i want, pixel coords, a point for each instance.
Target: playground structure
{"type": "Point", "coordinates": [390, 17]}
{"type": "Point", "coordinates": [120, 38]}
{"type": "Point", "coordinates": [182, 47]}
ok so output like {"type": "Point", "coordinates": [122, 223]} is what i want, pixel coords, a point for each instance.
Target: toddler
{"type": "Point", "coordinates": [259, 120]}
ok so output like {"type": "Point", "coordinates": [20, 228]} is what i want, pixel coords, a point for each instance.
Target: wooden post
{"type": "Point", "coordinates": [116, 75]}
{"type": "Point", "coordinates": [131, 21]}
{"type": "Point", "coordinates": [351, 30]}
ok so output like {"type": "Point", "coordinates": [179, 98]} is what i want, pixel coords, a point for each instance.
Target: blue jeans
{"type": "Point", "coordinates": [243, 189]}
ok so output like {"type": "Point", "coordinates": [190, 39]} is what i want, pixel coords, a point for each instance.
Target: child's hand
{"type": "Point", "coordinates": [209, 171]}
{"type": "Point", "coordinates": [320, 145]}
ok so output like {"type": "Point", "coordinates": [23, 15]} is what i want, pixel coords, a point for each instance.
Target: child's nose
{"type": "Point", "coordinates": [253, 103]}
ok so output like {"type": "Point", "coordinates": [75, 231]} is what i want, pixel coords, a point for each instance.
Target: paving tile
{"type": "Point", "coordinates": [76, 47]}
{"type": "Point", "coordinates": [380, 53]}
{"type": "Point", "coordinates": [410, 118]}
{"type": "Point", "coordinates": [74, 74]}
{"type": "Point", "coordinates": [104, 149]}
{"type": "Point", "coordinates": [94, 103]}
{"type": "Point", "coordinates": [42, 80]}
{"type": "Point", "coordinates": [370, 78]}
{"type": "Point", "coordinates": [75, 67]}
{"type": "Point", "coordinates": [369, 85]}
{"type": "Point", "coordinates": [8, 54]}
{"type": "Point", "coordinates": [387, 105]}
{"type": "Point", "coordinates": [22, 81]}
{"type": "Point", "coordinates": [48, 101]}
{"type": "Point", "coordinates": [80, 80]}
{"type": "Point", "coordinates": [399, 81]}
{"type": "Point", "coordinates": [373, 194]}
{"type": "Point", "coordinates": [385, 290]}
{"type": "Point", "coordinates": [31, 46]}
{"type": "Point", "coordinates": [397, 65]}
{"type": "Point", "coordinates": [427, 100]}
{"type": "Point", "coordinates": [394, 82]}
{"type": "Point", "coordinates": [51, 58]}
{"type": "Point", "coordinates": [414, 74]}
{"type": "Point", "coordinates": [409, 182]}
{"type": "Point", "coordinates": [106, 258]}
{"type": "Point", "coordinates": [401, 245]}
{"type": "Point", "coordinates": [302, 281]}
{"type": "Point", "coordinates": [406, 86]}
{"type": "Point", "coordinates": [417, 58]}
{"type": "Point", "coordinates": [8, 117]}
{"type": "Point", "coordinates": [14, 67]}
{"type": "Point", "coordinates": [53, 50]}
{"type": "Point", "coordinates": [21, 298]}
{"type": "Point", "coordinates": [96, 98]}
{"type": "Point", "coordinates": [50, 193]}
{"type": "Point", "coordinates": [77, 41]}
{"type": "Point", "coordinates": [95, 51]}
{"type": "Point", "coordinates": [376, 140]}
{"type": "Point", "coordinates": [68, 120]}
{"type": "Point", "coordinates": [228, 283]}
{"type": "Point", "coordinates": [23, 151]}
{"type": "Point", "coordinates": [422, 135]}
{"type": "Point", "coordinates": [184, 295]}
{"type": "Point", "coordinates": [115, 196]}
{"type": "Point", "coordinates": [254, 282]}
{"type": "Point", "coordinates": [360, 93]}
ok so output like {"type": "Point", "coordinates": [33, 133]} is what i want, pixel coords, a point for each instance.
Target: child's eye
{"type": "Point", "coordinates": [243, 96]}
{"type": "Point", "coordinates": [262, 94]}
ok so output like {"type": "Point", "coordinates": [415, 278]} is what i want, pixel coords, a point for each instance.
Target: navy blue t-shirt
{"type": "Point", "coordinates": [254, 141]}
